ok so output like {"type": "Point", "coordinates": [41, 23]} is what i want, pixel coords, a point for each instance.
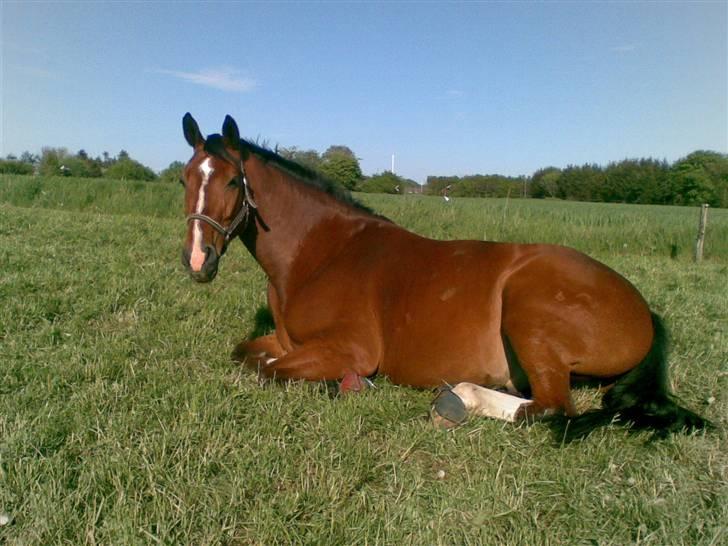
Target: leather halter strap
{"type": "Point", "coordinates": [240, 218]}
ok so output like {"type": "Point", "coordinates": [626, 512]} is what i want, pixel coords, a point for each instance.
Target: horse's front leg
{"type": "Point", "coordinates": [258, 352]}
{"type": "Point", "coordinates": [322, 360]}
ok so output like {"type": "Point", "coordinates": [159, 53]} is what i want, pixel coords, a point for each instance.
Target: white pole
{"type": "Point", "coordinates": [392, 163]}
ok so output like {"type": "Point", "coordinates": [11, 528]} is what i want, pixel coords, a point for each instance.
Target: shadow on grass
{"type": "Point", "coordinates": [263, 323]}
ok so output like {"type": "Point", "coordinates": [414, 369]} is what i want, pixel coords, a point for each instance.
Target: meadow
{"type": "Point", "coordinates": [123, 420]}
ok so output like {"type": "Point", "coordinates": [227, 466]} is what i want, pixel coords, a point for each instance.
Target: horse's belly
{"type": "Point", "coordinates": [419, 370]}
{"type": "Point", "coordinates": [446, 345]}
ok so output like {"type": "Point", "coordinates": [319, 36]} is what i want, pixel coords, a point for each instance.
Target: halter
{"type": "Point", "coordinates": [240, 218]}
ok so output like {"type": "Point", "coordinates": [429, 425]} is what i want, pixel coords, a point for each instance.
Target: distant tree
{"type": "Point", "coordinates": [701, 177]}
{"type": "Point", "coordinates": [654, 182]}
{"type": "Point", "coordinates": [129, 169]}
{"type": "Point", "coordinates": [51, 161]}
{"type": "Point", "coordinates": [622, 183]}
{"type": "Point", "coordinates": [489, 185]}
{"type": "Point", "coordinates": [410, 186]}
{"type": "Point", "coordinates": [478, 185]}
{"type": "Point", "coordinates": [341, 165]}
{"type": "Point", "coordinates": [75, 166]}
{"type": "Point", "coordinates": [545, 183]}
{"type": "Point", "coordinates": [14, 166]}
{"type": "Point", "coordinates": [173, 173]}
{"type": "Point", "coordinates": [582, 183]}
{"type": "Point", "coordinates": [435, 184]}
{"type": "Point", "coordinates": [123, 155]}
{"type": "Point", "coordinates": [81, 165]}
{"type": "Point", "coordinates": [307, 158]}
{"type": "Point", "coordinates": [337, 150]}
{"type": "Point", "coordinates": [634, 181]}
{"type": "Point", "coordinates": [58, 162]}
{"type": "Point", "coordinates": [27, 157]}
{"type": "Point", "coordinates": [387, 182]}
{"type": "Point", "coordinates": [96, 167]}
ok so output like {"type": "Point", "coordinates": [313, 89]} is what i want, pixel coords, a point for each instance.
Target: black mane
{"type": "Point", "coordinates": [214, 146]}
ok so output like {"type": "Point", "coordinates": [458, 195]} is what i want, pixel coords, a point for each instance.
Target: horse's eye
{"type": "Point", "coordinates": [235, 182]}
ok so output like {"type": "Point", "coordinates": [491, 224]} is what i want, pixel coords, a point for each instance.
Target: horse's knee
{"type": "Point", "coordinates": [258, 351]}
{"type": "Point", "coordinates": [239, 353]}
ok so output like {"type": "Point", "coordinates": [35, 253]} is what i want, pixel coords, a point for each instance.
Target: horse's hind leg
{"type": "Point", "coordinates": [452, 406]}
{"type": "Point", "coordinates": [549, 376]}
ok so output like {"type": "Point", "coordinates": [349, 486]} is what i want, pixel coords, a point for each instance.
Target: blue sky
{"type": "Point", "coordinates": [450, 88]}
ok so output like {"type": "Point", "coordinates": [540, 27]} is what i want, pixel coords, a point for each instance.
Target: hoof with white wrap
{"type": "Point", "coordinates": [453, 406]}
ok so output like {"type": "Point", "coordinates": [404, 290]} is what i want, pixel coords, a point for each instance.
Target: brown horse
{"type": "Point", "coordinates": [350, 292]}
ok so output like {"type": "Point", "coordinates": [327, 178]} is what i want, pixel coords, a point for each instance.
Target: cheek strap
{"type": "Point", "coordinates": [240, 218]}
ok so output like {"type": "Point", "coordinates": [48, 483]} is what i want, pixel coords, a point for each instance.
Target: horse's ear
{"type": "Point", "coordinates": [230, 133]}
{"type": "Point", "coordinates": [192, 131]}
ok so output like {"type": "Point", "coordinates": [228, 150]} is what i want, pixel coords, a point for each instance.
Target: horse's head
{"type": "Point", "coordinates": [217, 202]}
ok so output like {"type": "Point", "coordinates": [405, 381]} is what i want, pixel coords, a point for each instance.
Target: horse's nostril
{"type": "Point", "coordinates": [202, 266]}
{"type": "Point", "coordinates": [211, 258]}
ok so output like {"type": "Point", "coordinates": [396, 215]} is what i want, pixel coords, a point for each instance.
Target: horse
{"type": "Point", "coordinates": [352, 295]}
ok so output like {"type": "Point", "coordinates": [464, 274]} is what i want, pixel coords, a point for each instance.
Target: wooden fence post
{"type": "Point", "coordinates": [700, 241]}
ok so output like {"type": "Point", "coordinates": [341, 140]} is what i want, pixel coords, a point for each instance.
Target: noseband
{"type": "Point", "coordinates": [240, 218]}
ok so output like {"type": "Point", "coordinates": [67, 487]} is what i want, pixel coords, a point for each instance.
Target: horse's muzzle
{"type": "Point", "coordinates": [209, 267]}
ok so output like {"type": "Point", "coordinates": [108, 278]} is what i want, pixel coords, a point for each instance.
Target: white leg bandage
{"type": "Point", "coordinates": [489, 403]}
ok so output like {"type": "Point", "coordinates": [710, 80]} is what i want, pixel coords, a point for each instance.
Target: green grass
{"type": "Point", "coordinates": [122, 420]}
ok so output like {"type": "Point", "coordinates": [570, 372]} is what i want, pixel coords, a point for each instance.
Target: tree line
{"type": "Point", "coordinates": [60, 162]}
{"type": "Point", "coordinates": [700, 177]}
{"type": "Point", "coordinates": [338, 163]}
{"type": "Point", "coordinates": [478, 185]}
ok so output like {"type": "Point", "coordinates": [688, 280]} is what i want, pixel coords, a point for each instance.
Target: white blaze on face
{"type": "Point", "coordinates": [197, 257]}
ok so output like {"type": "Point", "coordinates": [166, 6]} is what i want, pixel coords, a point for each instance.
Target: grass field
{"type": "Point", "coordinates": [122, 420]}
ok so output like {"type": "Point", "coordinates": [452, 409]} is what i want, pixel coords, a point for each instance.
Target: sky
{"type": "Point", "coordinates": [450, 88]}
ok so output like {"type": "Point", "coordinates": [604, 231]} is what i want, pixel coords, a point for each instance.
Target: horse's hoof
{"type": "Point", "coordinates": [448, 410]}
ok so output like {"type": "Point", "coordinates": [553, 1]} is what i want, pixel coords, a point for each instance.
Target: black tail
{"type": "Point", "coordinates": [641, 399]}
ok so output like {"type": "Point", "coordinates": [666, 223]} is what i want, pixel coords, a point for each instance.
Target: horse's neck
{"type": "Point", "coordinates": [299, 227]}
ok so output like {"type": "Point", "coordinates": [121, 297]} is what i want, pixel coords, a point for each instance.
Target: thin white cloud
{"type": "Point", "coordinates": [224, 78]}
{"type": "Point", "coordinates": [625, 48]}
{"type": "Point", "coordinates": [35, 71]}
{"type": "Point", "coordinates": [455, 93]}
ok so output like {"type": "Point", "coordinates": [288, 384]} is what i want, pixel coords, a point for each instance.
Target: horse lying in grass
{"type": "Point", "coordinates": [353, 295]}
